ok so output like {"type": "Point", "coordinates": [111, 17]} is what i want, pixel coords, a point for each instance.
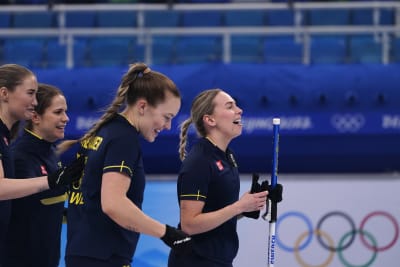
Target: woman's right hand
{"type": "Point", "coordinates": [177, 239]}
{"type": "Point", "coordinates": [252, 202]}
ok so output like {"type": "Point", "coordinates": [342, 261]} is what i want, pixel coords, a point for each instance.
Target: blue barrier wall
{"type": "Point", "coordinates": [334, 118]}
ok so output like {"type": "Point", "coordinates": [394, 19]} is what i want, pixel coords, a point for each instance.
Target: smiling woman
{"type": "Point", "coordinates": [111, 190]}
{"type": "Point", "coordinates": [18, 87]}
{"type": "Point", "coordinates": [208, 183]}
{"type": "Point", "coordinates": [39, 215]}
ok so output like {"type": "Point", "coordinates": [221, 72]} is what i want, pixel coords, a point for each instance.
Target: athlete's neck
{"type": "Point", "coordinates": [215, 142]}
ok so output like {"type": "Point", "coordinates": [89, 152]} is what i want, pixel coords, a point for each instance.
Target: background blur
{"type": "Point", "coordinates": [328, 69]}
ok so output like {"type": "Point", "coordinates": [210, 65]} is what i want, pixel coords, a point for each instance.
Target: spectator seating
{"type": "Point", "coordinates": [75, 19]}
{"type": "Point", "coordinates": [283, 17]}
{"type": "Point", "coordinates": [163, 50]}
{"type": "Point", "coordinates": [247, 49]}
{"type": "Point", "coordinates": [56, 53]}
{"type": "Point", "coordinates": [5, 20]}
{"type": "Point", "coordinates": [168, 49]}
{"type": "Point", "coordinates": [117, 19]}
{"type": "Point", "coordinates": [111, 51]}
{"type": "Point", "coordinates": [202, 19]}
{"type": "Point", "coordinates": [329, 50]}
{"type": "Point", "coordinates": [43, 19]}
{"type": "Point", "coordinates": [365, 49]}
{"type": "Point", "coordinates": [329, 17]}
{"type": "Point", "coordinates": [25, 51]}
{"type": "Point", "coordinates": [282, 49]}
{"type": "Point", "coordinates": [196, 49]}
{"type": "Point", "coordinates": [169, 18]}
{"type": "Point", "coordinates": [245, 18]}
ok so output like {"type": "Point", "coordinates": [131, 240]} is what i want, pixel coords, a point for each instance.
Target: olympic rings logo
{"type": "Point", "coordinates": [347, 238]}
{"type": "Point", "coordinates": [348, 122]}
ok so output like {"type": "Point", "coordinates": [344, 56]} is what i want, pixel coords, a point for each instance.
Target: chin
{"type": "Point", "coordinates": [150, 139]}
{"type": "Point", "coordinates": [28, 115]}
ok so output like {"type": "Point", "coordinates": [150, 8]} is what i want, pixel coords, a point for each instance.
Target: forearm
{"type": "Point", "coordinates": [205, 222]}
{"type": "Point", "coordinates": [129, 216]}
{"type": "Point", "coordinates": [16, 188]}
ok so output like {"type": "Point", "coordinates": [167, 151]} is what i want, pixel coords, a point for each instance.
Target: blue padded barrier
{"type": "Point", "coordinates": [334, 118]}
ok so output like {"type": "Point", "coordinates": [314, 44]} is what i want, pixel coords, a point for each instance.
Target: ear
{"type": "Point", "coordinates": [209, 120]}
{"type": "Point", "coordinates": [35, 118]}
{"type": "Point", "coordinates": [4, 93]}
{"type": "Point", "coordinates": [141, 105]}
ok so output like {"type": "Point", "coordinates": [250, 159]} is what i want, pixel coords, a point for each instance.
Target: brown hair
{"type": "Point", "coordinates": [12, 75]}
{"type": "Point", "coordinates": [138, 82]}
{"type": "Point", "coordinates": [203, 104]}
{"type": "Point", "coordinates": [44, 96]}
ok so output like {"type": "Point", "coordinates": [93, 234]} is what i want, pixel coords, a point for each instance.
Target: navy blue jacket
{"type": "Point", "coordinates": [34, 235]}
{"type": "Point", "coordinates": [91, 233]}
{"type": "Point", "coordinates": [8, 168]}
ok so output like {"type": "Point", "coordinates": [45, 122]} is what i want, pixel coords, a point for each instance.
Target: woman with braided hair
{"type": "Point", "coordinates": [208, 183]}
{"type": "Point", "coordinates": [104, 212]}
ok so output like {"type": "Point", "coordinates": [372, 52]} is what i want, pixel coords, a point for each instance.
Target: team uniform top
{"type": "Point", "coordinates": [34, 235]}
{"type": "Point", "coordinates": [211, 175]}
{"type": "Point", "coordinates": [8, 168]}
{"type": "Point", "coordinates": [91, 233]}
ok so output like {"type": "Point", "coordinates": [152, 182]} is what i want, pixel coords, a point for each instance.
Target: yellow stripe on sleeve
{"type": "Point", "coordinates": [54, 200]}
{"type": "Point", "coordinates": [198, 196]}
{"type": "Point", "coordinates": [121, 168]}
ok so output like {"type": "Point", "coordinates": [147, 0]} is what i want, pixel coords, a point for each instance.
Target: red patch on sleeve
{"type": "Point", "coordinates": [43, 168]}
{"type": "Point", "coordinates": [219, 165]}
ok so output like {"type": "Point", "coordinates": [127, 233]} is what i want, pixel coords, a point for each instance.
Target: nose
{"type": "Point", "coordinates": [34, 102]}
{"type": "Point", "coordinates": [239, 111]}
{"type": "Point", "coordinates": [66, 118]}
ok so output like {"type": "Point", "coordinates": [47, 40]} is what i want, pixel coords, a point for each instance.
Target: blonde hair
{"type": "Point", "coordinates": [138, 82]}
{"type": "Point", "coordinates": [203, 104]}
